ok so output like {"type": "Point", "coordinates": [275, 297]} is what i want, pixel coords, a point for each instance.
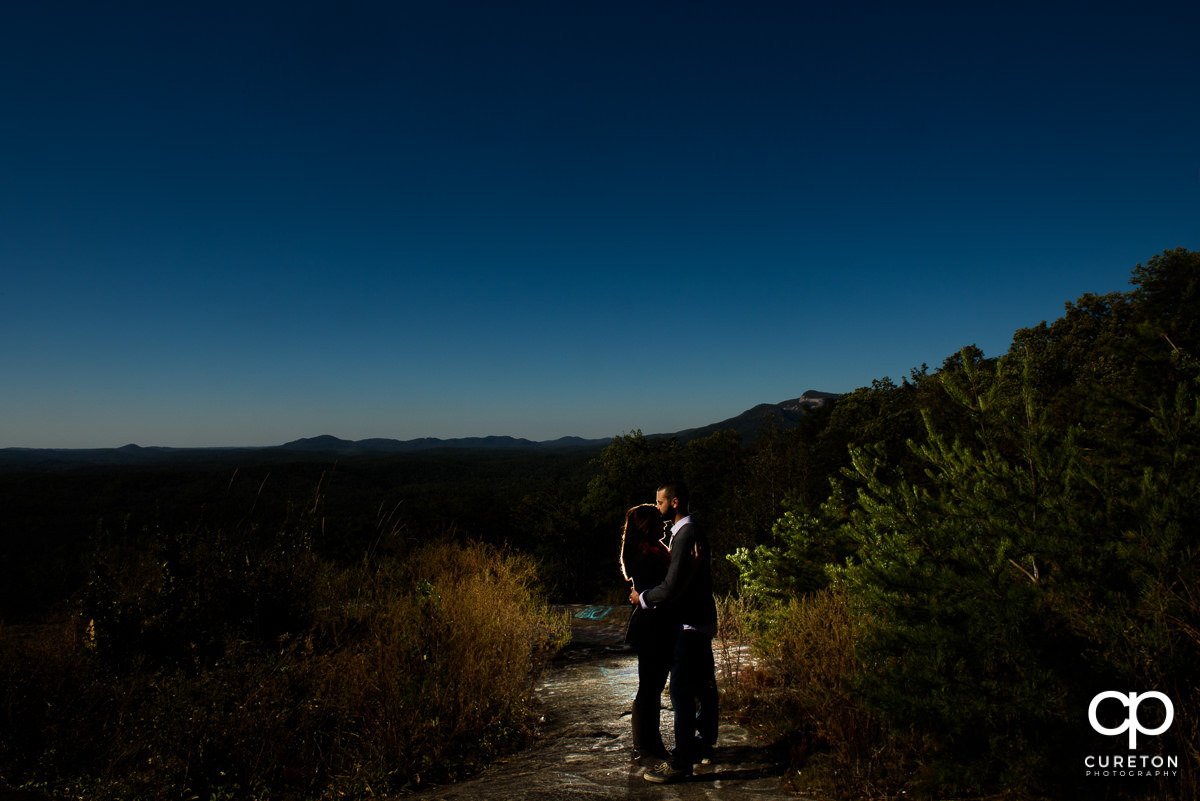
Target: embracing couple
{"type": "Point", "coordinates": [673, 623]}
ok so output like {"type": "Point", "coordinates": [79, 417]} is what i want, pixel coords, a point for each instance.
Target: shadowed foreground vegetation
{"type": "Point", "coordinates": [209, 669]}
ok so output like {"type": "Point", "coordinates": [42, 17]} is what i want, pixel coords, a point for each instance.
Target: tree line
{"type": "Point", "coordinates": [1000, 539]}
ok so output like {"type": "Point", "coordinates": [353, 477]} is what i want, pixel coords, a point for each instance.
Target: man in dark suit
{"type": "Point", "coordinates": [687, 588]}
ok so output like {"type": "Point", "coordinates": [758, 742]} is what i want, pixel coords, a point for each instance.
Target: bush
{"type": "Point", "coordinates": [1023, 577]}
{"type": "Point", "coordinates": [992, 599]}
{"type": "Point", "coordinates": [803, 692]}
{"type": "Point", "coordinates": [387, 675]}
{"type": "Point", "coordinates": [433, 682]}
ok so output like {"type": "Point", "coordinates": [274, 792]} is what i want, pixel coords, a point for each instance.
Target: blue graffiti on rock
{"type": "Point", "coordinates": [594, 612]}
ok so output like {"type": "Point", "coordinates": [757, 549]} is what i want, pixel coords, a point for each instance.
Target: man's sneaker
{"type": "Point", "coordinates": [666, 773]}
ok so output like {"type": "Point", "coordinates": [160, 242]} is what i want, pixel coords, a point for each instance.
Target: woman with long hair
{"type": "Point", "coordinates": [652, 632]}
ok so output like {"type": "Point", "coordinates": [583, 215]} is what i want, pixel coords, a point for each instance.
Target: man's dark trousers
{"type": "Point", "coordinates": [694, 696]}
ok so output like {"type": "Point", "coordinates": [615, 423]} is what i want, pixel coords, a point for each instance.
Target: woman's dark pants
{"type": "Point", "coordinates": [654, 664]}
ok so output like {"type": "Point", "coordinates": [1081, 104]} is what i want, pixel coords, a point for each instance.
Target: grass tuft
{"type": "Point", "coordinates": [215, 671]}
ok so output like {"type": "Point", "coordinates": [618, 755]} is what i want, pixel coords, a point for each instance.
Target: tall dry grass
{"type": "Point", "coordinates": [409, 671]}
{"type": "Point", "coordinates": [736, 624]}
{"type": "Point", "coordinates": [800, 690]}
{"type": "Point", "coordinates": [434, 683]}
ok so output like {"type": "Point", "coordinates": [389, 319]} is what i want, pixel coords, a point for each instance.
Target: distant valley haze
{"type": "Point", "coordinates": [785, 414]}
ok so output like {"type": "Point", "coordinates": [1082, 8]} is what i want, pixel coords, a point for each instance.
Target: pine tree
{"type": "Point", "coordinates": [978, 583]}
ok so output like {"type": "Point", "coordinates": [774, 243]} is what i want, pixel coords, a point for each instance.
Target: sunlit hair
{"type": "Point", "coordinates": [634, 535]}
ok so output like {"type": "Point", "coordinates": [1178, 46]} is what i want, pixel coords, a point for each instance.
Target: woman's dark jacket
{"type": "Point", "coordinates": [647, 563]}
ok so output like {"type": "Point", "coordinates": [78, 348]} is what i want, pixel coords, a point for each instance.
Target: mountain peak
{"type": "Point", "coordinates": [749, 423]}
{"type": "Point", "coordinates": [322, 442]}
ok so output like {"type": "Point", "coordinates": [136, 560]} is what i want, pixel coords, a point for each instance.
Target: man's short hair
{"type": "Point", "coordinates": [679, 490]}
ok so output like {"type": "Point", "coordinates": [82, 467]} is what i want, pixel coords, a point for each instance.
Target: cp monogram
{"type": "Point", "coordinates": [1133, 725]}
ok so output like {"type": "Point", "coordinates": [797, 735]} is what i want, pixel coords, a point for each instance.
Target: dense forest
{"type": "Point", "coordinates": [941, 572]}
{"type": "Point", "coordinates": [1002, 540]}
{"type": "Point", "coordinates": [56, 520]}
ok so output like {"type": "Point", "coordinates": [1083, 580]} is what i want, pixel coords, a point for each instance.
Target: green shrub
{"type": "Point", "coordinates": [802, 545]}
{"type": "Point", "coordinates": [1030, 567]}
{"type": "Point", "coordinates": [1024, 575]}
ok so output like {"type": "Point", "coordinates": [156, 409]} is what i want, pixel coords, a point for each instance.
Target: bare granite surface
{"type": "Point", "coordinates": [584, 749]}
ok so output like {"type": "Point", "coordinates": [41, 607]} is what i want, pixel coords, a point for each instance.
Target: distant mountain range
{"type": "Point", "coordinates": [786, 414]}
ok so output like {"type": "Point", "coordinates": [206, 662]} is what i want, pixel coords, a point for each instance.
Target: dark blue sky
{"type": "Point", "coordinates": [244, 223]}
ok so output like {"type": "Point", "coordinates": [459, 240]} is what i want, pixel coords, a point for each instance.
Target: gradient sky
{"type": "Point", "coordinates": [245, 223]}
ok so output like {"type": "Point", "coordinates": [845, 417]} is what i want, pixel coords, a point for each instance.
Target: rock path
{"type": "Point", "coordinates": [584, 750]}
